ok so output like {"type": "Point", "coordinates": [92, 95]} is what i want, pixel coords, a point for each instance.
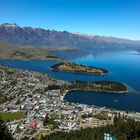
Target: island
{"type": "Point", "coordinates": [78, 68]}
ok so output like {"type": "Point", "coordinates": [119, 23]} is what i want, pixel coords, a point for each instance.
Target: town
{"type": "Point", "coordinates": [32, 105]}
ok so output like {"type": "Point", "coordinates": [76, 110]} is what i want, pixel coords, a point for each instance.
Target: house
{"type": "Point", "coordinates": [33, 125]}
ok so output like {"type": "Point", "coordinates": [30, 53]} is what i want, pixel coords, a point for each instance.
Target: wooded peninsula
{"type": "Point", "coordinates": [78, 68]}
{"type": "Point", "coordinates": [100, 86]}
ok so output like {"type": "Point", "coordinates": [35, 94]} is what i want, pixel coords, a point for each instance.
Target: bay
{"type": "Point", "coordinates": [123, 66]}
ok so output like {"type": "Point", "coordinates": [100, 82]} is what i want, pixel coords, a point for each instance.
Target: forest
{"type": "Point", "coordinates": [122, 129]}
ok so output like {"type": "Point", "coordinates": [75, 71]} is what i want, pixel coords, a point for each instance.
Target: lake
{"type": "Point", "coordinates": [123, 66]}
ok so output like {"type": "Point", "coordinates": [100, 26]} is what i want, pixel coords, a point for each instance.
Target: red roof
{"type": "Point", "coordinates": [33, 125]}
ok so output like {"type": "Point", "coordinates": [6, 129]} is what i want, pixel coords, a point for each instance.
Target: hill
{"type": "Point", "coordinates": [122, 129]}
{"type": "Point", "coordinates": [10, 51]}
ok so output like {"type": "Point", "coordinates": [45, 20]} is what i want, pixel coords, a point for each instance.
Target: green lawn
{"type": "Point", "coordinates": [8, 116]}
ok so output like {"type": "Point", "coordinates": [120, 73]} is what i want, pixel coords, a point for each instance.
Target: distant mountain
{"type": "Point", "coordinates": [39, 37]}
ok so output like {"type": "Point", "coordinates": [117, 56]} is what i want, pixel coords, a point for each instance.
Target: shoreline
{"type": "Point", "coordinates": [99, 91]}
{"type": "Point", "coordinates": [80, 72]}
{"type": "Point", "coordinates": [97, 84]}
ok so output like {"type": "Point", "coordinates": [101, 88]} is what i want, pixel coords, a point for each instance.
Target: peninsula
{"type": "Point", "coordinates": [78, 68]}
{"type": "Point", "coordinates": [100, 86]}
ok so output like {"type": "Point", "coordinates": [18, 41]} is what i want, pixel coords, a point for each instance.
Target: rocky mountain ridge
{"type": "Point", "coordinates": [39, 37]}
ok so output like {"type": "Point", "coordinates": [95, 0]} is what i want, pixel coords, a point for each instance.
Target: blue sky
{"type": "Point", "coordinates": [119, 18]}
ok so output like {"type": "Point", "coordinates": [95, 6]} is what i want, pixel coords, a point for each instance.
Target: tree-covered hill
{"type": "Point", "coordinates": [122, 130]}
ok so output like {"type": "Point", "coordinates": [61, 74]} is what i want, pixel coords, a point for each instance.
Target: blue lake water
{"type": "Point", "coordinates": [123, 66]}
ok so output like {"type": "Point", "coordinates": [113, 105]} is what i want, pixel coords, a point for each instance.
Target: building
{"type": "Point", "coordinates": [108, 136]}
{"type": "Point", "coordinates": [33, 125]}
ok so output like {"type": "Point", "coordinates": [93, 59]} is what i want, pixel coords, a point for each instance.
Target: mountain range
{"type": "Point", "coordinates": [39, 37]}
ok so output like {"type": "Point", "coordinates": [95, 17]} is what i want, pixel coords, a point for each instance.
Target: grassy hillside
{"type": "Point", "coordinates": [9, 51]}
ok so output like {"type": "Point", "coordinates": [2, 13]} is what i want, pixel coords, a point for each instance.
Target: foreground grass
{"type": "Point", "coordinates": [9, 116]}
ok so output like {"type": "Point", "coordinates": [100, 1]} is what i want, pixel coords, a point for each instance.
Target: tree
{"type": "Point", "coordinates": [46, 120]}
{"type": "Point", "coordinates": [4, 132]}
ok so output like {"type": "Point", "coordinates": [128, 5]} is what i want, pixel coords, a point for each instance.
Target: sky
{"type": "Point", "coordinates": [118, 18]}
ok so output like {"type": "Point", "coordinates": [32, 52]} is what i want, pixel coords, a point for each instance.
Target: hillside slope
{"type": "Point", "coordinates": [10, 51]}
